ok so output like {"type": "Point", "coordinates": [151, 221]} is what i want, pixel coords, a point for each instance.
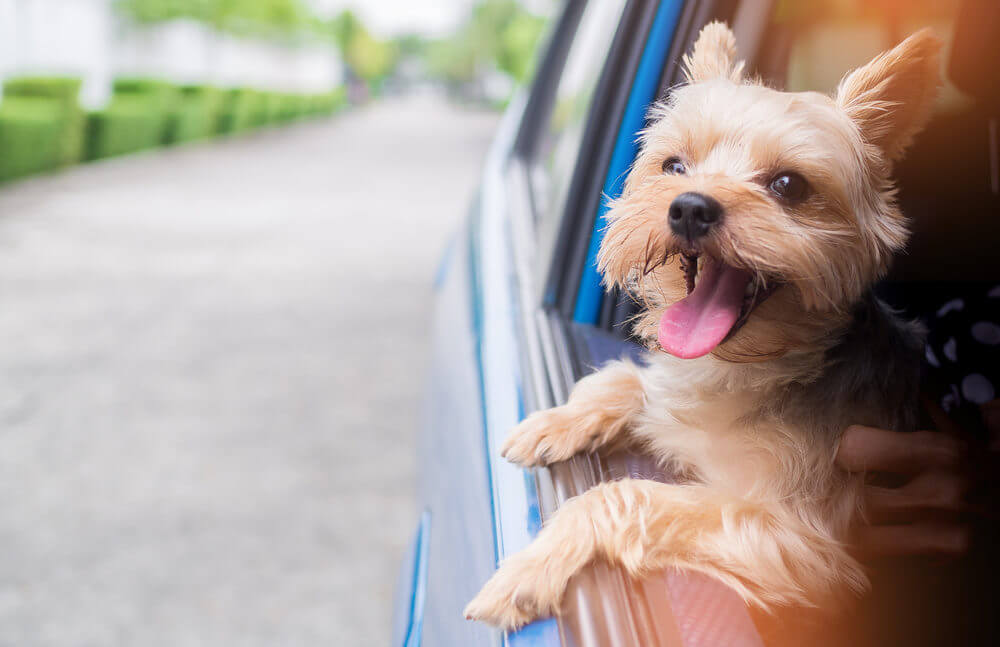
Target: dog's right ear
{"type": "Point", "coordinates": [713, 56]}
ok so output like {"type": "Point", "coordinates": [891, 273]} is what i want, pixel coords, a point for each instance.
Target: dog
{"type": "Point", "coordinates": [751, 229]}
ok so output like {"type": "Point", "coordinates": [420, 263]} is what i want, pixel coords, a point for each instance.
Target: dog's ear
{"type": "Point", "coordinates": [890, 98]}
{"type": "Point", "coordinates": [713, 56]}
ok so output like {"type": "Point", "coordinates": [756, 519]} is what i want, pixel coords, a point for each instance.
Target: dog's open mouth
{"type": "Point", "coordinates": [719, 301]}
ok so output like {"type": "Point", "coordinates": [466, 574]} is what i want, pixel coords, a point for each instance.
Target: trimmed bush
{"type": "Point", "coordinates": [285, 108]}
{"type": "Point", "coordinates": [300, 106]}
{"type": "Point", "coordinates": [160, 97]}
{"type": "Point", "coordinates": [42, 125]}
{"type": "Point", "coordinates": [272, 106]}
{"type": "Point", "coordinates": [330, 102]}
{"type": "Point", "coordinates": [127, 125]}
{"type": "Point", "coordinates": [64, 92]}
{"type": "Point", "coordinates": [311, 103]}
{"type": "Point", "coordinates": [194, 115]}
{"type": "Point", "coordinates": [235, 111]}
{"type": "Point", "coordinates": [162, 93]}
{"type": "Point", "coordinates": [258, 103]}
{"type": "Point", "coordinates": [136, 119]}
{"type": "Point", "coordinates": [31, 130]}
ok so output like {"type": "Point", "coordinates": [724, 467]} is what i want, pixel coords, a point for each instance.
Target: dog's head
{"type": "Point", "coordinates": [753, 218]}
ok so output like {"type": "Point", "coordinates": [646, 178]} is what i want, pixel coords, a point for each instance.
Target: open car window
{"type": "Point", "coordinates": [559, 142]}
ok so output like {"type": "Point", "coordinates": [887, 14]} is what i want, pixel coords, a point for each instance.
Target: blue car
{"type": "Point", "coordinates": [521, 313]}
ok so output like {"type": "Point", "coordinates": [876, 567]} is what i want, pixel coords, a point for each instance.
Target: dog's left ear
{"type": "Point", "coordinates": [713, 55]}
{"type": "Point", "coordinates": [890, 98]}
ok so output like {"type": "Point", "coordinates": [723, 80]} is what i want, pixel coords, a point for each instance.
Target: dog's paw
{"type": "Point", "coordinates": [513, 597]}
{"type": "Point", "coordinates": [542, 438]}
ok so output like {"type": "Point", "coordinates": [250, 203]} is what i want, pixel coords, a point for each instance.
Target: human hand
{"type": "Point", "coordinates": [928, 514]}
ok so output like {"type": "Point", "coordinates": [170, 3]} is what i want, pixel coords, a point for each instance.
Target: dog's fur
{"type": "Point", "coordinates": [753, 427]}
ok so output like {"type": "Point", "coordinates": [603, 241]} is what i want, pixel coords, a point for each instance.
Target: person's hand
{"type": "Point", "coordinates": [927, 514]}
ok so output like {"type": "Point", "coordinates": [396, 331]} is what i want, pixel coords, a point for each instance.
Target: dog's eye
{"type": "Point", "coordinates": [674, 166]}
{"type": "Point", "coordinates": [790, 187]}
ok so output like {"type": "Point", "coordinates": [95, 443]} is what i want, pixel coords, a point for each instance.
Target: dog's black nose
{"type": "Point", "coordinates": [692, 215]}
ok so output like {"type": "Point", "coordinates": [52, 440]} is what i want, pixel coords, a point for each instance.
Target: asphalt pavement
{"type": "Point", "coordinates": [210, 380]}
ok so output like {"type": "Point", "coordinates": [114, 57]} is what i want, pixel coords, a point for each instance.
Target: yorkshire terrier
{"type": "Point", "coordinates": [751, 229]}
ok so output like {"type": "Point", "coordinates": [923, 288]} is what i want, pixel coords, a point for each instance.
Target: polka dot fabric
{"type": "Point", "coordinates": [962, 358]}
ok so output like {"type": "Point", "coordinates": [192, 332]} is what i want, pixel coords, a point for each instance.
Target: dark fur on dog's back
{"type": "Point", "coordinates": [872, 375]}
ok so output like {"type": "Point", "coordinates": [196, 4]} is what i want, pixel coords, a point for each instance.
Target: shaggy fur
{"type": "Point", "coordinates": [751, 429]}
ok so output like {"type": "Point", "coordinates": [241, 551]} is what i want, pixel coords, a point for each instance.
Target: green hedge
{"type": "Point", "coordinates": [257, 101]}
{"type": "Point", "coordinates": [31, 130]}
{"type": "Point", "coordinates": [136, 118]}
{"type": "Point", "coordinates": [331, 102]}
{"type": "Point", "coordinates": [42, 125]}
{"type": "Point", "coordinates": [64, 92]}
{"type": "Point", "coordinates": [194, 115]}
{"type": "Point", "coordinates": [236, 111]}
{"type": "Point", "coordinates": [127, 125]}
{"type": "Point", "coordinates": [160, 98]}
{"type": "Point", "coordinates": [286, 108]}
{"type": "Point", "coordinates": [272, 107]}
{"type": "Point", "coordinates": [162, 94]}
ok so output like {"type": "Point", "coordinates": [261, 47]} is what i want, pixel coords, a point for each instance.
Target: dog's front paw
{"type": "Point", "coordinates": [542, 438]}
{"type": "Point", "coordinates": [513, 597]}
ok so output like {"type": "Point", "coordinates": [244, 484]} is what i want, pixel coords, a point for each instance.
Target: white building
{"type": "Point", "coordinates": [87, 39]}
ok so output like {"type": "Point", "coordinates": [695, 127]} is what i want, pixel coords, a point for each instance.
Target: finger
{"type": "Point", "coordinates": [933, 494]}
{"type": "Point", "coordinates": [927, 538]}
{"type": "Point", "coordinates": [867, 449]}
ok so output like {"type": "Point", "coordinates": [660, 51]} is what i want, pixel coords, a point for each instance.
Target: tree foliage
{"type": "Point", "coordinates": [498, 34]}
{"type": "Point", "coordinates": [369, 58]}
{"type": "Point", "coordinates": [245, 17]}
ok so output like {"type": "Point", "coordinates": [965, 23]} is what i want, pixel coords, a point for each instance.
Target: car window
{"type": "Point", "coordinates": [559, 145]}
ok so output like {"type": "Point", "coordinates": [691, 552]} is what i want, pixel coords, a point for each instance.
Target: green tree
{"type": "Point", "coordinates": [498, 34]}
{"type": "Point", "coordinates": [370, 59]}
{"type": "Point", "coordinates": [266, 17]}
{"type": "Point", "coordinates": [518, 42]}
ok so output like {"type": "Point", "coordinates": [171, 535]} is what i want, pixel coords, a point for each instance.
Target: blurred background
{"type": "Point", "coordinates": [219, 224]}
{"type": "Point", "coordinates": [86, 79]}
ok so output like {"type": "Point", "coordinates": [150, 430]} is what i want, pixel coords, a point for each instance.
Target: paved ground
{"type": "Point", "coordinates": [209, 377]}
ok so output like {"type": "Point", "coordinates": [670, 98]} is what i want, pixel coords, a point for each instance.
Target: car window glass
{"type": "Point", "coordinates": [559, 146]}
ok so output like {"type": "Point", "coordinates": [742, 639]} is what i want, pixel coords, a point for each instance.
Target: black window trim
{"type": "Point", "coordinates": [541, 94]}
{"type": "Point", "coordinates": [596, 146]}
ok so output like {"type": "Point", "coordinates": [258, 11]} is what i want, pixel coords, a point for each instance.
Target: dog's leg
{"type": "Point", "coordinates": [767, 555]}
{"type": "Point", "coordinates": [599, 411]}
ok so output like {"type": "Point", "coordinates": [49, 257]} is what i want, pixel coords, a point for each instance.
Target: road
{"type": "Point", "coordinates": [212, 364]}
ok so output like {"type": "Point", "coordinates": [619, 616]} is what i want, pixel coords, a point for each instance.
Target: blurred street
{"type": "Point", "coordinates": [212, 364]}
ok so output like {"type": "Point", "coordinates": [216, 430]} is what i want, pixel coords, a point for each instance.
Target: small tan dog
{"type": "Point", "coordinates": [751, 229]}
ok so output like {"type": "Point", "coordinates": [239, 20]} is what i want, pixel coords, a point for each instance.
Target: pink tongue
{"type": "Point", "coordinates": [699, 322]}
